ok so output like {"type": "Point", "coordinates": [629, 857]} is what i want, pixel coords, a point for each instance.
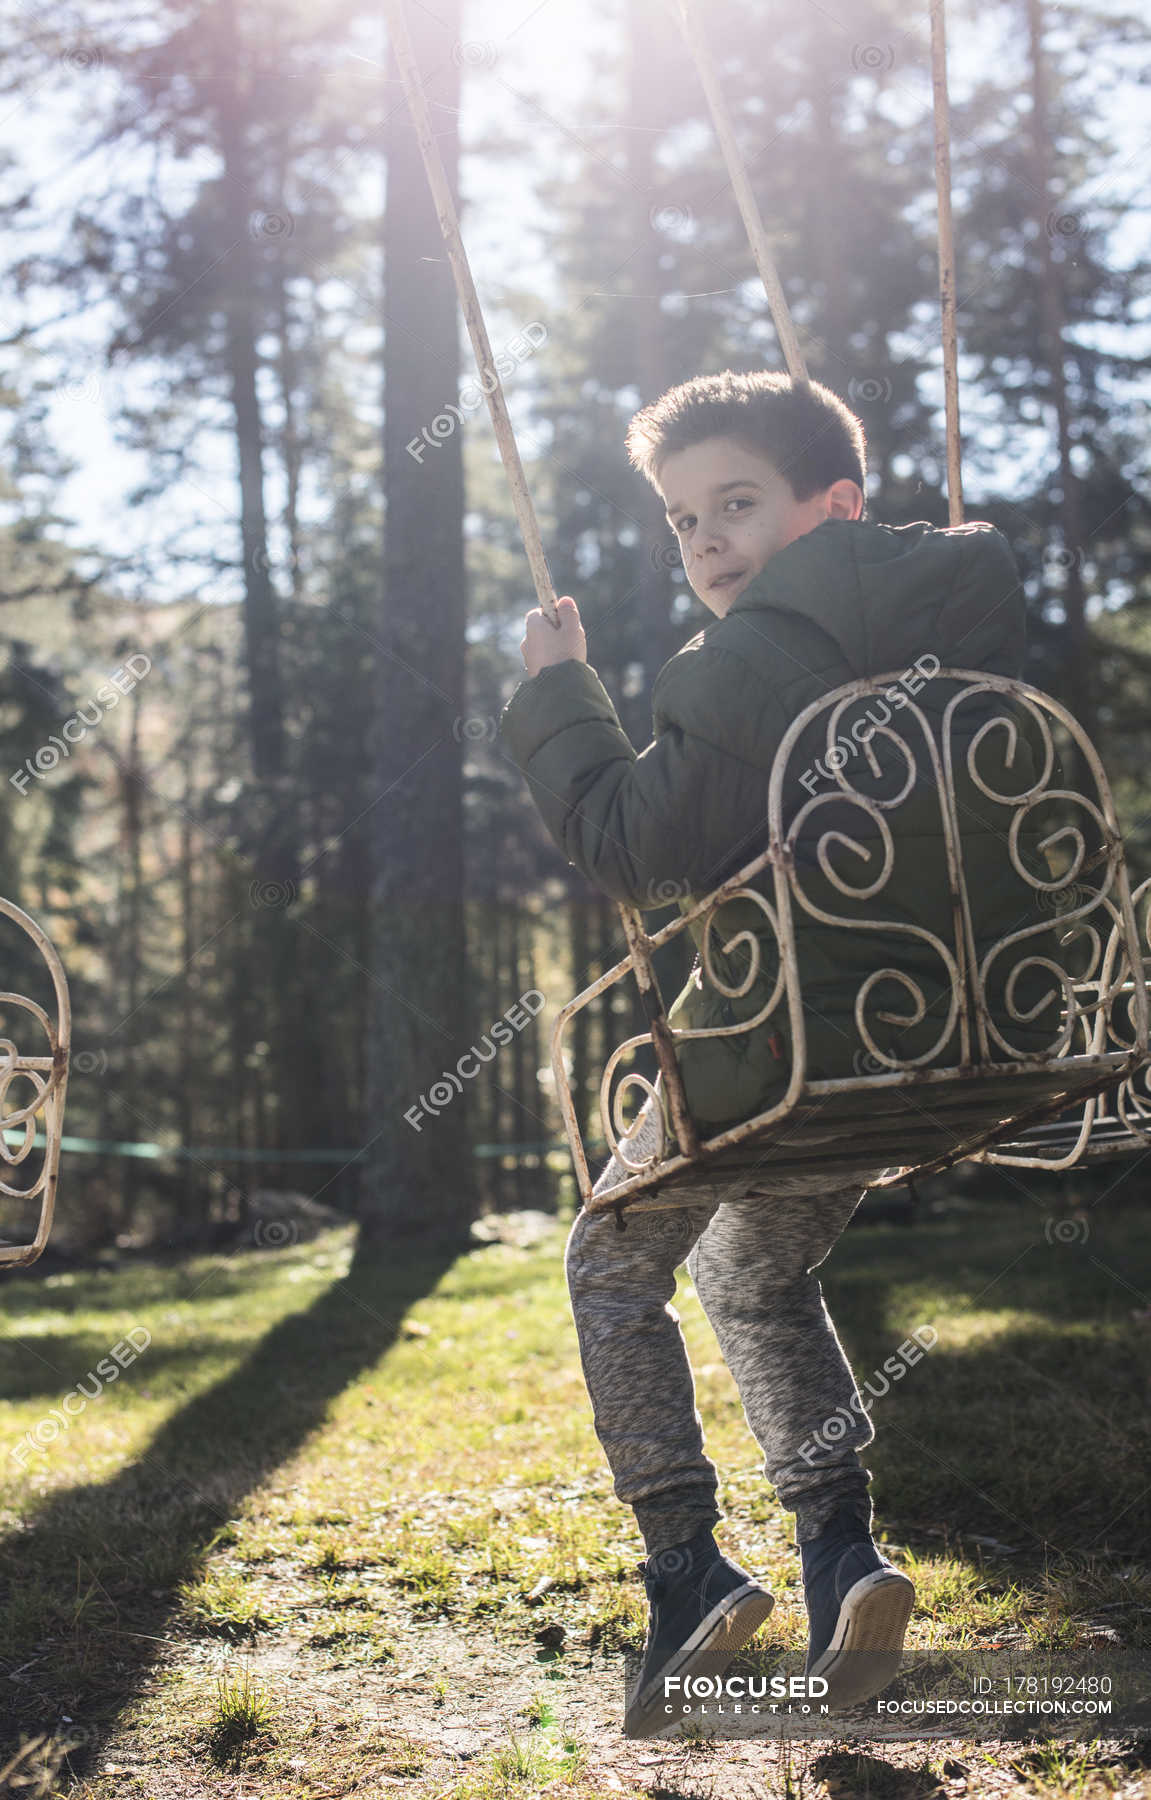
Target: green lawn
{"type": "Point", "coordinates": [343, 1526]}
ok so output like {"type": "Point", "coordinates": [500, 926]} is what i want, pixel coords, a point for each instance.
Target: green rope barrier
{"type": "Point", "coordinates": [235, 1153]}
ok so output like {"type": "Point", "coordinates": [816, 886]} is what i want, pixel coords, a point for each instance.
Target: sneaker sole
{"type": "Point", "coordinates": [867, 1646]}
{"type": "Point", "coordinates": [716, 1642]}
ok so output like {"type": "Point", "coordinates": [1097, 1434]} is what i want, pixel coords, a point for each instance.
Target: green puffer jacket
{"type": "Point", "coordinates": [848, 599]}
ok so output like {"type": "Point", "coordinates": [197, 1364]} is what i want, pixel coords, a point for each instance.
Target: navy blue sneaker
{"type": "Point", "coordinates": [858, 1606]}
{"type": "Point", "coordinates": [703, 1611]}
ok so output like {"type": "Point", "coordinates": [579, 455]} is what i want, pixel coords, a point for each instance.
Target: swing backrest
{"type": "Point", "coordinates": [839, 804]}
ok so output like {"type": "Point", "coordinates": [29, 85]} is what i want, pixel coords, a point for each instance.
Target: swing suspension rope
{"type": "Point", "coordinates": [785, 330]}
{"type": "Point", "coordinates": [700, 51]}
{"type": "Point", "coordinates": [942, 113]}
{"type": "Point", "coordinates": [472, 311]}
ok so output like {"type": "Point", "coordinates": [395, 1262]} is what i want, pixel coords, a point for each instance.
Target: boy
{"type": "Point", "coordinates": [763, 485]}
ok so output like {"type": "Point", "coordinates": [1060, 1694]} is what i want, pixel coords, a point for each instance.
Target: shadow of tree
{"type": "Point", "coordinates": [25, 1377]}
{"type": "Point", "coordinates": [100, 1565]}
{"type": "Point", "coordinates": [1028, 1420]}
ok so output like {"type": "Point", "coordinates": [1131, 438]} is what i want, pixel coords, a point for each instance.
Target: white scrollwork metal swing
{"type": "Point", "coordinates": [32, 1089]}
{"type": "Point", "coordinates": [971, 1094]}
{"type": "Point", "coordinates": [971, 1087]}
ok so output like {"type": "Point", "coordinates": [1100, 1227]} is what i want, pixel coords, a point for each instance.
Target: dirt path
{"type": "Point", "coordinates": [444, 1717]}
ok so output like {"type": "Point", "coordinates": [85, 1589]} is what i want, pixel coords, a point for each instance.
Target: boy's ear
{"type": "Point", "coordinates": [845, 499]}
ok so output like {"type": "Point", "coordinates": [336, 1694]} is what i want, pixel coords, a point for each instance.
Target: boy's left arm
{"type": "Point", "coordinates": [652, 828]}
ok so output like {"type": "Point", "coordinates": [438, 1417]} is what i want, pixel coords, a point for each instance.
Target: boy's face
{"type": "Point", "coordinates": [731, 510]}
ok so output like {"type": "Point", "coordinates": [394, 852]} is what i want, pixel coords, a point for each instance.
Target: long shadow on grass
{"type": "Point", "coordinates": [1028, 1422]}
{"type": "Point", "coordinates": [89, 1584]}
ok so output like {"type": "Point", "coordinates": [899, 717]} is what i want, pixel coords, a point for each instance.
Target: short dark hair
{"type": "Point", "coordinates": [807, 432]}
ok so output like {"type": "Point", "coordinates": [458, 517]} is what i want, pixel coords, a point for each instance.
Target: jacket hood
{"type": "Point", "coordinates": [887, 594]}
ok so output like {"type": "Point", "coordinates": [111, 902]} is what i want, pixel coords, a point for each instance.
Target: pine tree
{"type": "Point", "coordinates": [421, 1182]}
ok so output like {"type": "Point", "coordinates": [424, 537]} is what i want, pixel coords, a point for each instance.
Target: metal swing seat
{"type": "Point", "coordinates": [973, 1094]}
{"type": "Point", "coordinates": [33, 1084]}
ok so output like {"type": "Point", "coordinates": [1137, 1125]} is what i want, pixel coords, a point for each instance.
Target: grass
{"type": "Point", "coordinates": [523, 1765]}
{"type": "Point", "coordinates": [225, 1603]}
{"type": "Point", "coordinates": [242, 1716]}
{"type": "Point", "coordinates": [286, 1467]}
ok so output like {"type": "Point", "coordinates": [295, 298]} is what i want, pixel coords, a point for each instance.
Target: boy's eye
{"type": "Point", "coordinates": [688, 520]}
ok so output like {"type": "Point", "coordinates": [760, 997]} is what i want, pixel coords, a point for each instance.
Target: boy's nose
{"type": "Point", "coordinates": [708, 540]}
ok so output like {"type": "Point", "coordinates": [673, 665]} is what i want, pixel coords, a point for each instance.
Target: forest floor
{"type": "Point", "coordinates": [343, 1527]}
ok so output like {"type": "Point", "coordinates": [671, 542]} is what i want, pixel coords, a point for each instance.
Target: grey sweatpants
{"type": "Point", "coordinates": [751, 1242]}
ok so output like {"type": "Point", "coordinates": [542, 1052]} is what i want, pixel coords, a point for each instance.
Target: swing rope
{"type": "Point", "coordinates": [472, 311]}
{"type": "Point", "coordinates": [700, 52]}
{"type": "Point", "coordinates": [942, 113]}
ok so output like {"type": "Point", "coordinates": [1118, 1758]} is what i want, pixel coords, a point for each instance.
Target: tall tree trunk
{"type": "Point", "coordinates": [491, 1125]}
{"type": "Point", "coordinates": [240, 1036]}
{"type": "Point", "coordinates": [131, 912]}
{"type": "Point", "coordinates": [1052, 312]}
{"type": "Point", "coordinates": [578, 1036]}
{"type": "Point", "coordinates": [194, 1221]}
{"type": "Point", "coordinates": [250, 231]}
{"type": "Point", "coordinates": [292, 450]}
{"type": "Point", "coordinates": [529, 1124]}
{"type": "Point", "coordinates": [422, 1177]}
{"type": "Point", "coordinates": [261, 621]}
{"type": "Point", "coordinates": [656, 553]}
{"type": "Point", "coordinates": [337, 1108]}
{"type": "Point", "coordinates": [537, 1113]}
